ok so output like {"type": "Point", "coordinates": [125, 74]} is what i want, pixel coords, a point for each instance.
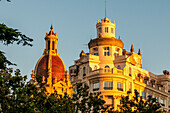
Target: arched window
{"type": "Point", "coordinates": [107, 68]}
{"type": "Point", "coordinates": [118, 67]}
{"type": "Point", "coordinates": [48, 44]}
{"type": "Point", "coordinates": [53, 45]}
{"type": "Point", "coordinates": [84, 71]}
{"type": "Point", "coordinates": [95, 67]}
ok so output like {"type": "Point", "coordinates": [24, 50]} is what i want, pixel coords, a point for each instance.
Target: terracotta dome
{"type": "Point", "coordinates": [57, 67]}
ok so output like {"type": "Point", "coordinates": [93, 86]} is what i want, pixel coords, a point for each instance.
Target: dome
{"type": "Point", "coordinates": [57, 67]}
{"type": "Point", "coordinates": [105, 41]}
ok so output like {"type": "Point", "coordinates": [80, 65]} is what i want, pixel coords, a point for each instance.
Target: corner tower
{"type": "Point", "coordinates": [108, 68]}
{"type": "Point", "coordinates": [105, 28]}
{"type": "Point", "coordinates": [106, 45]}
{"type": "Point", "coordinates": [51, 67]}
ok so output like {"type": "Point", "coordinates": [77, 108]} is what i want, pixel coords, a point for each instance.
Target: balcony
{"type": "Point", "coordinates": [108, 88]}
{"type": "Point", "coordinates": [120, 89]}
{"type": "Point", "coordinates": [107, 71]}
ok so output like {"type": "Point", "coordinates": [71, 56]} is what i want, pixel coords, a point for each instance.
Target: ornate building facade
{"type": "Point", "coordinates": [111, 70]}
{"type": "Point", "coordinates": [52, 69]}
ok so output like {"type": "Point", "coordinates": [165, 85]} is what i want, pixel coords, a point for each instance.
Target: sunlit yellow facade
{"type": "Point", "coordinates": [111, 70]}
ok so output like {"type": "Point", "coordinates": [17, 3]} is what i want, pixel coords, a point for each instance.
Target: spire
{"type": "Point", "coordinates": [82, 53]}
{"type": "Point", "coordinates": [132, 49]}
{"type": "Point", "coordinates": [139, 52]}
{"type": "Point", "coordinates": [51, 27]}
{"type": "Point", "coordinates": [119, 37]}
{"type": "Point", "coordinates": [105, 8]}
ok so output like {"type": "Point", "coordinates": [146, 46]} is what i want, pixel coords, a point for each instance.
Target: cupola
{"type": "Point", "coordinates": [105, 28]}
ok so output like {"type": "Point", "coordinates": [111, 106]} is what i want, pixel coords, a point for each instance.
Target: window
{"type": "Point", "coordinates": [111, 30]}
{"type": "Point", "coordinates": [84, 71]}
{"type": "Point", "coordinates": [144, 95]}
{"type": "Point", "coordinates": [119, 86]}
{"type": "Point", "coordinates": [118, 67]}
{"type": "Point", "coordinates": [130, 74]}
{"type": "Point", "coordinates": [75, 90]}
{"type": "Point", "coordinates": [106, 29]}
{"type": "Point", "coordinates": [100, 30]}
{"type": "Point", "coordinates": [130, 86]}
{"type": "Point", "coordinates": [162, 102]}
{"type": "Point", "coordinates": [96, 51]}
{"type": "Point", "coordinates": [95, 67]}
{"type": "Point", "coordinates": [169, 88]}
{"type": "Point", "coordinates": [53, 46]}
{"type": "Point", "coordinates": [149, 95]}
{"type": "Point", "coordinates": [117, 52]}
{"type": "Point", "coordinates": [48, 44]}
{"type": "Point", "coordinates": [107, 68]}
{"type": "Point", "coordinates": [106, 51]}
{"type": "Point", "coordinates": [96, 86]}
{"type": "Point", "coordinates": [156, 99]}
{"type": "Point", "coordinates": [108, 85]}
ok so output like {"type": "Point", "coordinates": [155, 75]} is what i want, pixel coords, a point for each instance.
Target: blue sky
{"type": "Point", "coordinates": [143, 23]}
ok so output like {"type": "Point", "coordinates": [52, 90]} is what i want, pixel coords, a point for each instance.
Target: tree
{"type": "Point", "coordinates": [21, 96]}
{"type": "Point", "coordinates": [9, 36]}
{"type": "Point", "coordinates": [138, 105]}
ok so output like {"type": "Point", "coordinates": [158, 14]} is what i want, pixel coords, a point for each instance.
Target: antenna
{"type": "Point", "coordinates": [105, 8]}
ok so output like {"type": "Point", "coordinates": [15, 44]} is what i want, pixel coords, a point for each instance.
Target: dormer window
{"type": "Point", "coordinates": [106, 29]}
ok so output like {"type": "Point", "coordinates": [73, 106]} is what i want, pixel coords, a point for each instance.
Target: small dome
{"type": "Point", "coordinates": [57, 67]}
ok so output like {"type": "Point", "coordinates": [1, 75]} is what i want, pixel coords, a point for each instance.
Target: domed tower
{"type": "Point", "coordinates": [51, 67]}
{"type": "Point", "coordinates": [106, 45]}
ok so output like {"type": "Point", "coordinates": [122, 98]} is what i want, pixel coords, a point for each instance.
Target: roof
{"type": "Point", "coordinates": [57, 67]}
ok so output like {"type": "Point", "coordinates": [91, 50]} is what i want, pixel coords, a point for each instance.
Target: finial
{"type": "Point", "coordinates": [119, 37]}
{"type": "Point", "coordinates": [132, 49]}
{"type": "Point", "coordinates": [43, 79]}
{"type": "Point", "coordinates": [51, 27]}
{"type": "Point", "coordinates": [139, 52]}
{"type": "Point", "coordinates": [82, 53]}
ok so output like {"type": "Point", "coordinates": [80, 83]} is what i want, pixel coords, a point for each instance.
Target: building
{"type": "Point", "coordinates": [51, 67]}
{"type": "Point", "coordinates": [111, 70]}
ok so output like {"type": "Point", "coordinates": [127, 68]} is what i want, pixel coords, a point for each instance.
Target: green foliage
{"type": "Point", "coordinates": [4, 61]}
{"type": "Point", "coordinates": [138, 105]}
{"type": "Point", "coordinates": [85, 101]}
{"type": "Point", "coordinates": [9, 36]}
{"type": "Point", "coordinates": [21, 96]}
